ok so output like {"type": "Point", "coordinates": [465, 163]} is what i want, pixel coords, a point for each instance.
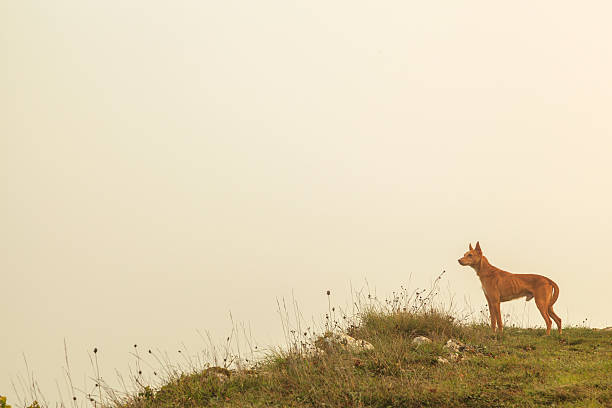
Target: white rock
{"type": "Point", "coordinates": [420, 340]}
{"type": "Point", "coordinates": [223, 374]}
{"type": "Point", "coordinates": [442, 360]}
{"type": "Point", "coordinates": [352, 343]}
{"type": "Point", "coordinates": [345, 341]}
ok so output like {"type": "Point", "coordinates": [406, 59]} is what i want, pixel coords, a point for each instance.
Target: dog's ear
{"type": "Point", "coordinates": [478, 246]}
{"type": "Point", "coordinates": [471, 246]}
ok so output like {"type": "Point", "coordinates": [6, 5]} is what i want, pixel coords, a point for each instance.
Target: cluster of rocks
{"type": "Point", "coordinates": [455, 348]}
{"type": "Point", "coordinates": [334, 341]}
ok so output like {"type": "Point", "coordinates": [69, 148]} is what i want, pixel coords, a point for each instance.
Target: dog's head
{"type": "Point", "coordinates": [472, 257]}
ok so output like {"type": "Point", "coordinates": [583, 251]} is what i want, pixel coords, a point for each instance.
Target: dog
{"type": "Point", "coordinates": [501, 286]}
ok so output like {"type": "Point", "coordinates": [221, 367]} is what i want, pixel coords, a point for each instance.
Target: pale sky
{"type": "Point", "coordinates": [165, 163]}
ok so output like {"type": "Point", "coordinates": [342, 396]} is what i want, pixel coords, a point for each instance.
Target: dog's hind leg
{"type": "Point", "coordinates": [556, 318]}
{"type": "Point", "coordinates": [554, 297]}
{"type": "Point", "coordinates": [542, 305]}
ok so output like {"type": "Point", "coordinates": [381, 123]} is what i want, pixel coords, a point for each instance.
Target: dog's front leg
{"type": "Point", "coordinates": [492, 314]}
{"type": "Point", "coordinates": [498, 316]}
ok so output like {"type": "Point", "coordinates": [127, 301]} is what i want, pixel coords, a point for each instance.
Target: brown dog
{"type": "Point", "coordinates": [501, 286]}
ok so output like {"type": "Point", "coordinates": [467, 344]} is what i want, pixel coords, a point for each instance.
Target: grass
{"type": "Point", "coordinates": [522, 368]}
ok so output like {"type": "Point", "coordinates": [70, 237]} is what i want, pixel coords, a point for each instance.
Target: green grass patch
{"type": "Point", "coordinates": [522, 368]}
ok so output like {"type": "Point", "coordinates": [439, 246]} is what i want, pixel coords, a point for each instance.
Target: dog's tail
{"type": "Point", "coordinates": [555, 295]}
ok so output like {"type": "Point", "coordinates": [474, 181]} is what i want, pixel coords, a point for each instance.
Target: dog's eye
{"type": "Point", "coordinates": [469, 254]}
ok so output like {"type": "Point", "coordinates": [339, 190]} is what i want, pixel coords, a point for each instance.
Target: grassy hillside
{"type": "Point", "coordinates": [522, 368]}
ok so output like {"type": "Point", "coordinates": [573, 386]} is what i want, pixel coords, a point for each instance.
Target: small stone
{"type": "Point", "coordinates": [331, 340]}
{"type": "Point", "coordinates": [421, 340]}
{"type": "Point", "coordinates": [456, 357]}
{"type": "Point", "coordinates": [442, 360]}
{"type": "Point", "coordinates": [312, 351]}
{"type": "Point", "coordinates": [454, 345]}
{"type": "Point", "coordinates": [222, 374]}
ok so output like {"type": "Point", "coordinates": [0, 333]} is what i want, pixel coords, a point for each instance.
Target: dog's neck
{"type": "Point", "coordinates": [483, 268]}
